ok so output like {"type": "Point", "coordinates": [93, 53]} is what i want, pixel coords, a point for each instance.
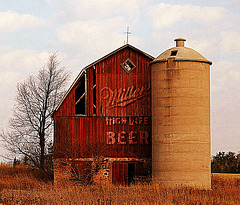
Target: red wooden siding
{"type": "Point", "coordinates": [121, 127]}
{"type": "Point", "coordinates": [110, 74]}
{"type": "Point", "coordinates": [117, 78]}
{"type": "Point", "coordinates": [120, 173]}
{"type": "Point", "coordinates": [89, 136]}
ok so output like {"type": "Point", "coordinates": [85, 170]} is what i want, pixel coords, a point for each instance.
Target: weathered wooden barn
{"type": "Point", "coordinates": [103, 124]}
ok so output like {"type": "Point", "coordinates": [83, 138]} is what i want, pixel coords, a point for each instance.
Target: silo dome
{"type": "Point", "coordinates": [180, 84]}
{"type": "Point", "coordinates": [180, 52]}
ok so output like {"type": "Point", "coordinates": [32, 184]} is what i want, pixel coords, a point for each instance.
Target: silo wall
{"type": "Point", "coordinates": [181, 123]}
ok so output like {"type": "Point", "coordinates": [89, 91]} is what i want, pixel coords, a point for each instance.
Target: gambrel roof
{"type": "Point", "coordinates": [97, 61]}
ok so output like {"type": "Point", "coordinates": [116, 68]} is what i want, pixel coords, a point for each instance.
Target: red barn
{"type": "Point", "coordinates": [103, 124]}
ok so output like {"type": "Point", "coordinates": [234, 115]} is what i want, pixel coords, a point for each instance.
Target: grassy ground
{"type": "Point", "coordinates": [226, 176]}
{"type": "Point", "coordinates": [21, 185]}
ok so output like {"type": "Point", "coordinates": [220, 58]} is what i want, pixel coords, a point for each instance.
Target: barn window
{"type": "Point", "coordinates": [174, 53]}
{"type": "Point", "coordinates": [128, 65]}
{"type": "Point", "coordinates": [94, 90]}
{"type": "Point", "coordinates": [80, 97]}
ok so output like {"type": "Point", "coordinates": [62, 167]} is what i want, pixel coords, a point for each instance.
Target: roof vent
{"type": "Point", "coordinates": [180, 42]}
{"type": "Point", "coordinates": [174, 53]}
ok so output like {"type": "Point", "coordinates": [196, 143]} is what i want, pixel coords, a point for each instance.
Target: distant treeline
{"type": "Point", "coordinates": [225, 163]}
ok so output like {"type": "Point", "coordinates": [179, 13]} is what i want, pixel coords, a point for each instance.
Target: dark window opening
{"type": "Point", "coordinates": [80, 93]}
{"type": "Point", "coordinates": [80, 90]}
{"type": "Point", "coordinates": [174, 53]}
{"type": "Point", "coordinates": [128, 65]}
{"type": "Point", "coordinates": [94, 110]}
{"type": "Point", "coordinates": [80, 106]}
{"type": "Point", "coordinates": [94, 75]}
{"type": "Point", "coordinates": [131, 173]}
{"type": "Point", "coordinates": [94, 100]}
{"type": "Point", "coordinates": [94, 90]}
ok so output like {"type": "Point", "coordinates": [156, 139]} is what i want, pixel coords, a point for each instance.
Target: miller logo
{"type": "Point", "coordinates": [122, 97]}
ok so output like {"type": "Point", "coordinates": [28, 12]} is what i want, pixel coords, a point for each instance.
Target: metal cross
{"type": "Point", "coordinates": [128, 33]}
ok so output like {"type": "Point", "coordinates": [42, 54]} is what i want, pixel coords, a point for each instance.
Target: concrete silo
{"type": "Point", "coordinates": [180, 83]}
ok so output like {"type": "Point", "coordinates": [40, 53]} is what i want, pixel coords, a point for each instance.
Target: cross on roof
{"type": "Point", "coordinates": [128, 33]}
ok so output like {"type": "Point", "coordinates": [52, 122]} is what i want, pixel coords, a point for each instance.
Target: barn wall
{"type": "Point", "coordinates": [77, 137]}
{"type": "Point", "coordinates": [121, 129]}
{"type": "Point", "coordinates": [112, 78]}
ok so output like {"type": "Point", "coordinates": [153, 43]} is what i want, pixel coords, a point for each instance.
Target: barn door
{"type": "Point", "coordinates": [123, 173]}
{"type": "Point", "coordinates": [131, 173]}
{"type": "Point", "coordinates": [120, 173]}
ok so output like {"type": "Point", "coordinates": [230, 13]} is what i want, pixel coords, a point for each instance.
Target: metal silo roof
{"type": "Point", "coordinates": [181, 53]}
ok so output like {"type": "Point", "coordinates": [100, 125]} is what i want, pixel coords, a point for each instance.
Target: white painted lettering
{"type": "Point", "coordinates": [144, 137]}
{"type": "Point", "coordinates": [111, 138]}
{"type": "Point", "coordinates": [118, 120]}
{"type": "Point", "coordinates": [132, 137]}
{"type": "Point", "coordinates": [122, 97]}
{"type": "Point", "coordinates": [122, 137]}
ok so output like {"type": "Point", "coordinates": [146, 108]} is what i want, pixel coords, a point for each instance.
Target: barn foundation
{"type": "Point", "coordinates": [101, 170]}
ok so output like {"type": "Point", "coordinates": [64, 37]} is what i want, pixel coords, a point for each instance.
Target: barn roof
{"type": "Point", "coordinates": [97, 61]}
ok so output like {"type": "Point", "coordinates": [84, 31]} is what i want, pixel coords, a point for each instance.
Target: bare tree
{"type": "Point", "coordinates": [30, 129]}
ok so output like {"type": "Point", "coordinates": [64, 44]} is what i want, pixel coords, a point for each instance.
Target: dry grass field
{"type": "Point", "coordinates": [21, 185]}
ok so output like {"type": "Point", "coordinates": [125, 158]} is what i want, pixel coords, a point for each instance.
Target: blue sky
{"type": "Point", "coordinates": [83, 31]}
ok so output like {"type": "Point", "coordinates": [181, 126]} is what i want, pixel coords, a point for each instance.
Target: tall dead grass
{"type": "Point", "coordinates": [225, 190]}
{"type": "Point", "coordinates": [20, 177]}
